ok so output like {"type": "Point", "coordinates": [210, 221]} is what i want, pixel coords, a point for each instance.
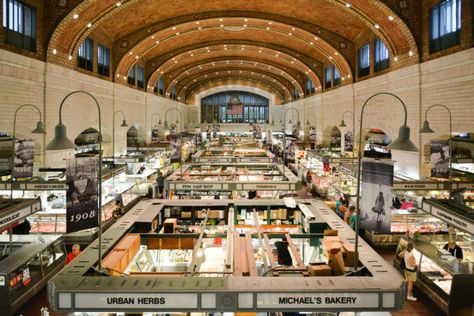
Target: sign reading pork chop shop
{"type": "Point", "coordinates": [304, 301]}
{"type": "Point", "coordinates": [129, 301]}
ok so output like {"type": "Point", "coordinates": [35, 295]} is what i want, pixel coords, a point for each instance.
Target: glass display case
{"type": "Point", "coordinates": [407, 222]}
{"type": "Point", "coordinates": [34, 261]}
{"type": "Point", "coordinates": [52, 220]}
{"type": "Point", "coordinates": [436, 267]}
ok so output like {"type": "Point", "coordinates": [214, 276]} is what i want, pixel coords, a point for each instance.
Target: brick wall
{"type": "Point", "coordinates": [26, 80]}
{"type": "Point", "coordinates": [447, 80]}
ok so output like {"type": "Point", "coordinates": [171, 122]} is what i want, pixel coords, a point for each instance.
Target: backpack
{"type": "Point", "coordinates": [402, 263]}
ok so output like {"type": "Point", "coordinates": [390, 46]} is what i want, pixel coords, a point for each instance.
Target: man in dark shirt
{"type": "Point", "coordinates": [160, 183]}
{"type": "Point", "coordinates": [284, 257]}
{"type": "Point", "coordinates": [454, 249]}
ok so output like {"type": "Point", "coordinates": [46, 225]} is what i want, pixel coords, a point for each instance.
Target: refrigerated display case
{"type": "Point", "coordinates": [35, 260]}
{"type": "Point", "coordinates": [436, 267]}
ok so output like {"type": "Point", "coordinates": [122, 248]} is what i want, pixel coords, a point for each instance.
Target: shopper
{"type": "Point", "coordinates": [284, 257]}
{"type": "Point", "coordinates": [348, 215]}
{"type": "Point", "coordinates": [410, 269]}
{"type": "Point", "coordinates": [454, 249]}
{"type": "Point", "coordinates": [343, 209]}
{"type": "Point", "coordinates": [353, 218]}
{"type": "Point", "coordinates": [75, 251]}
{"type": "Point", "coordinates": [118, 210]}
{"type": "Point", "coordinates": [338, 204]}
{"type": "Point", "coordinates": [22, 229]}
{"type": "Point", "coordinates": [160, 184]}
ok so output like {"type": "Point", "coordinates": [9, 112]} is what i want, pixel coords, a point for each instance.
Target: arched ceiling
{"type": "Point", "coordinates": [278, 42]}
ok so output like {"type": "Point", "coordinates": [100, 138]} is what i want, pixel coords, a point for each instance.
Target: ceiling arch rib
{"type": "Point", "coordinates": [397, 34]}
{"type": "Point", "coordinates": [243, 61]}
{"type": "Point", "coordinates": [216, 81]}
{"type": "Point", "coordinates": [166, 64]}
{"type": "Point", "coordinates": [226, 72]}
{"type": "Point", "coordinates": [271, 63]}
{"type": "Point", "coordinates": [232, 52]}
{"type": "Point", "coordinates": [166, 41]}
{"type": "Point", "coordinates": [226, 65]}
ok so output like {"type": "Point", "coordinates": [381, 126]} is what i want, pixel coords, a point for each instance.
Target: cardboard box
{"type": "Point", "coordinates": [186, 214]}
{"type": "Point", "coordinates": [330, 232]}
{"type": "Point", "coordinates": [213, 214]}
{"type": "Point", "coordinates": [319, 269]}
{"type": "Point", "coordinates": [336, 262]}
{"type": "Point", "coordinates": [348, 254]}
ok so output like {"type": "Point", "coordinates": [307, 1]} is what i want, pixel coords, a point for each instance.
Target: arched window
{"type": "Point", "coordinates": [234, 107]}
{"type": "Point", "coordinates": [309, 87]}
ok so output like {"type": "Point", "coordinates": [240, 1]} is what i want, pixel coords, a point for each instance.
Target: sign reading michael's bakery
{"type": "Point", "coordinates": [336, 300]}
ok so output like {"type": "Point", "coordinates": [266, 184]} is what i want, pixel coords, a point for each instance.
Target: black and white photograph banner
{"type": "Point", "coordinates": [83, 194]}
{"type": "Point", "coordinates": [348, 141]}
{"type": "Point", "coordinates": [175, 144]}
{"type": "Point", "coordinates": [312, 137]}
{"type": "Point", "coordinates": [439, 158]}
{"type": "Point", "coordinates": [24, 158]}
{"type": "Point", "coordinates": [376, 196]}
{"type": "Point", "coordinates": [290, 149]}
{"type": "Point", "coordinates": [154, 135]}
{"type": "Point", "coordinates": [198, 136]}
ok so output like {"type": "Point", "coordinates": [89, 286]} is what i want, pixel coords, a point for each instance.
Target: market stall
{"type": "Point", "coordinates": [241, 271]}
{"type": "Point", "coordinates": [223, 179]}
{"type": "Point", "coordinates": [407, 215]}
{"type": "Point", "coordinates": [34, 261]}
{"type": "Point", "coordinates": [229, 155]}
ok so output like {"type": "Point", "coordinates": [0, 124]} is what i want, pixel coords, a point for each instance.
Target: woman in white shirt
{"type": "Point", "coordinates": [410, 270]}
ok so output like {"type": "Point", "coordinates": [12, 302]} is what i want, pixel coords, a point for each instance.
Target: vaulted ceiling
{"type": "Point", "coordinates": [277, 43]}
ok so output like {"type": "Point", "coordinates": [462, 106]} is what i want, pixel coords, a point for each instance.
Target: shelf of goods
{"type": "Point", "coordinates": [409, 217]}
{"type": "Point", "coordinates": [235, 155]}
{"type": "Point", "coordinates": [437, 268]}
{"type": "Point", "coordinates": [224, 268]}
{"type": "Point", "coordinates": [214, 178]}
{"type": "Point", "coordinates": [52, 217]}
{"type": "Point", "coordinates": [34, 261]}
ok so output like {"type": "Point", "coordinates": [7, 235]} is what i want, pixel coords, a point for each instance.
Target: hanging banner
{"type": "Point", "coordinates": [376, 197]}
{"type": "Point", "coordinates": [290, 149]}
{"type": "Point", "coordinates": [439, 158]}
{"type": "Point", "coordinates": [348, 141]}
{"type": "Point", "coordinates": [24, 158]}
{"type": "Point", "coordinates": [198, 136]}
{"type": "Point", "coordinates": [312, 137]}
{"type": "Point", "coordinates": [175, 144]}
{"type": "Point", "coordinates": [82, 195]}
{"type": "Point", "coordinates": [154, 135]}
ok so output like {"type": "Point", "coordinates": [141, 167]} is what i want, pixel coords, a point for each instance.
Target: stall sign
{"type": "Point", "coordinates": [26, 277]}
{"type": "Point", "coordinates": [16, 216]}
{"type": "Point", "coordinates": [43, 186]}
{"type": "Point", "coordinates": [202, 193]}
{"type": "Point", "coordinates": [2, 280]}
{"type": "Point", "coordinates": [283, 301]}
{"type": "Point", "coordinates": [265, 186]}
{"type": "Point", "coordinates": [452, 219]}
{"type": "Point", "coordinates": [198, 186]}
{"type": "Point", "coordinates": [414, 186]}
{"type": "Point", "coordinates": [248, 160]}
{"type": "Point", "coordinates": [142, 301]}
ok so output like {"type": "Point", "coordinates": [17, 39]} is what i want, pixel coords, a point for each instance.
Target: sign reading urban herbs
{"type": "Point", "coordinates": [121, 301]}
{"type": "Point", "coordinates": [439, 158]}
{"type": "Point", "coordinates": [24, 158]}
{"type": "Point", "coordinates": [82, 194]}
